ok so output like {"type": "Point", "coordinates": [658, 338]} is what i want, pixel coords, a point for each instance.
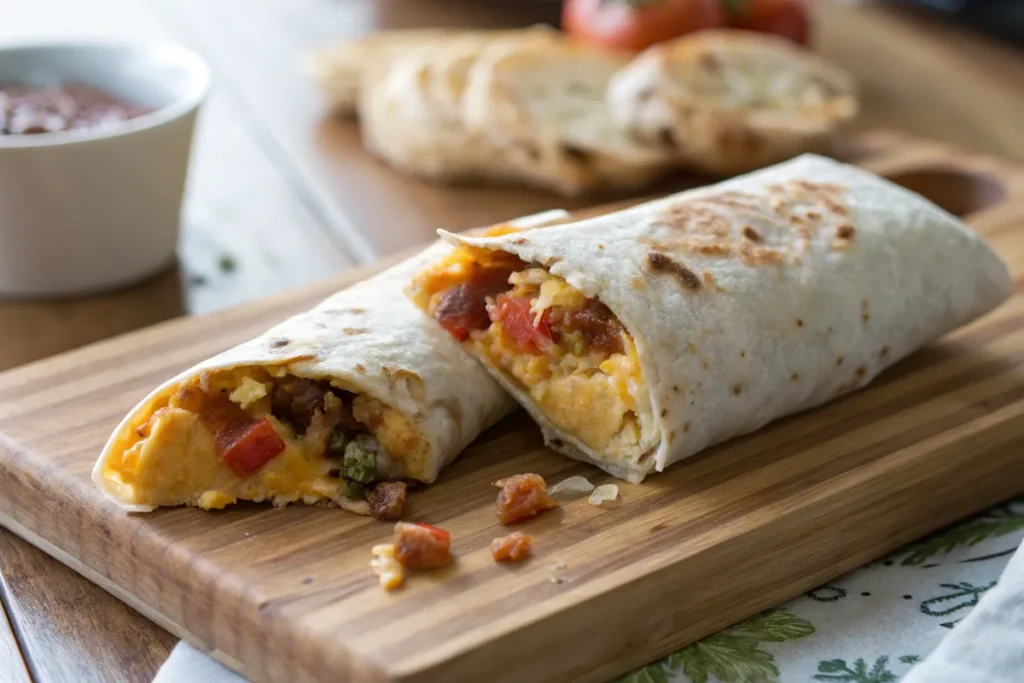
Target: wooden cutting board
{"type": "Point", "coordinates": [287, 595]}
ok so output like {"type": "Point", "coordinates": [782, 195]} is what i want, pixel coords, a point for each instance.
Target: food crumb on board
{"type": "Point", "coordinates": [384, 564]}
{"type": "Point", "coordinates": [512, 548]}
{"type": "Point", "coordinates": [522, 496]}
{"type": "Point", "coordinates": [606, 495]}
{"type": "Point", "coordinates": [571, 488]}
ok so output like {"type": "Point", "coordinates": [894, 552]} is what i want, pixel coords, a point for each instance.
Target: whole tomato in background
{"type": "Point", "coordinates": [786, 18]}
{"type": "Point", "coordinates": [638, 24]}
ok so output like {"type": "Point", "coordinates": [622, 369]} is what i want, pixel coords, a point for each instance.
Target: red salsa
{"type": "Point", "coordinates": [31, 109]}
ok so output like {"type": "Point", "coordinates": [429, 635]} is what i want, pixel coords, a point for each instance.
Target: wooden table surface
{"type": "Point", "coordinates": [281, 195]}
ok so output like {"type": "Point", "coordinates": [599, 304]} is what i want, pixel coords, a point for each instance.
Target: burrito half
{"type": "Point", "coordinates": [320, 409]}
{"type": "Point", "coordinates": [637, 339]}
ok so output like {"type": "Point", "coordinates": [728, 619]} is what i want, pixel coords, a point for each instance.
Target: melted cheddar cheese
{"type": "Point", "coordinates": [171, 457]}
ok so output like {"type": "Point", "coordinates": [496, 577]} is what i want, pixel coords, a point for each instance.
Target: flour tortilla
{"type": "Point", "coordinates": [372, 340]}
{"type": "Point", "coordinates": [737, 344]}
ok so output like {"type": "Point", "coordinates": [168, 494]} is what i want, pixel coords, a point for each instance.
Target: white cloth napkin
{"type": "Point", "coordinates": [870, 626]}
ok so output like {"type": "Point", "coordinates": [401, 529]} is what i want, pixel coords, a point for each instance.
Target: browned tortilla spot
{"type": "Point", "coordinates": [577, 154]}
{"type": "Point", "coordinates": [794, 377]}
{"type": "Point", "coordinates": [737, 389]}
{"type": "Point", "coordinates": [755, 255]}
{"type": "Point", "coordinates": [703, 365]}
{"type": "Point", "coordinates": [664, 412]}
{"type": "Point", "coordinates": [864, 312]}
{"type": "Point", "coordinates": [417, 389]}
{"type": "Point", "coordinates": [686, 427]}
{"type": "Point", "coordinates": [660, 263]}
{"type": "Point", "coordinates": [520, 241]}
{"type": "Point", "coordinates": [360, 368]}
{"type": "Point", "coordinates": [845, 232]}
{"type": "Point", "coordinates": [351, 331]}
{"type": "Point", "coordinates": [836, 208]}
{"type": "Point", "coordinates": [799, 322]}
{"type": "Point", "coordinates": [814, 215]}
{"type": "Point", "coordinates": [751, 234]}
{"type": "Point", "coordinates": [743, 354]}
{"type": "Point", "coordinates": [601, 247]}
{"type": "Point", "coordinates": [691, 347]}
{"type": "Point", "coordinates": [709, 279]}
{"type": "Point", "coordinates": [278, 342]}
{"type": "Point", "coordinates": [883, 352]}
{"type": "Point", "coordinates": [638, 283]}
{"type": "Point", "coordinates": [860, 372]}
{"type": "Point", "coordinates": [839, 361]}
{"type": "Point", "coordinates": [675, 388]}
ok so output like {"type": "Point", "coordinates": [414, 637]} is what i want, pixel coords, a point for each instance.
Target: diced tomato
{"type": "Point", "coordinates": [245, 444]}
{"type": "Point", "coordinates": [532, 335]}
{"type": "Point", "coordinates": [421, 546]}
{"type": "Point", "coordinates": [248, 446]}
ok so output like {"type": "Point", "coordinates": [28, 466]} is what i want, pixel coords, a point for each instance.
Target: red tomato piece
{"type": "Point", "coordinates": [531, 335]}
{"type": "Point", "coordinates": [786, 18]}
{"type": "Point", "coordinates": [248, 446]}
{"type": "Point", "coordinates": [637, 24]}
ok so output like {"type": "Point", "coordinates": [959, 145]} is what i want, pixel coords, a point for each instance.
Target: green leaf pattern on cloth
{"type": "Point", "coordinates": [839, 670]}
{"type": "Point", "coordinates": [857, 628]}
{"type": "Point", "coordinates": [999, 521]}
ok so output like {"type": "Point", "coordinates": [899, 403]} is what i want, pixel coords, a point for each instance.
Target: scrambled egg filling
{"type": "Point", "coordinates": [594, 391]}
{"type": "Point", "coordinates": [598, 396]}
{"type": "Point", "coordinates": [172, 455]}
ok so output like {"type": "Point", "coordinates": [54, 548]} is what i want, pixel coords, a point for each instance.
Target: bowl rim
{"type": "Point", "coordinates": [181, 106]}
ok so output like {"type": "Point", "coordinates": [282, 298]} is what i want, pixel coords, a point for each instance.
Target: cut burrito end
{"type": "Point", "coordinates": [260, 433]}
{"type": "Point", "coordinates": [545, 339]}
{"type": "Point", "coordinates": [337, 405]}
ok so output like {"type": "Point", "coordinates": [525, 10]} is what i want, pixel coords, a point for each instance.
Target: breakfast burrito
{"type": "Point", "coordinates": [638, 338]}
{"type": "Point", "coordinates": [331, 406]}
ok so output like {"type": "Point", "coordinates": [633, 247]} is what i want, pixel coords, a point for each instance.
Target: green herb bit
{"type": "Point", "coordinates": [360, 464]}
{"type": "Point", "coordinates": [227, 264]}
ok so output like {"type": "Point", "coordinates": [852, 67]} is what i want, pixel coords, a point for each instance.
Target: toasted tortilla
{"type": "Point", "coordinates": [762, 296]}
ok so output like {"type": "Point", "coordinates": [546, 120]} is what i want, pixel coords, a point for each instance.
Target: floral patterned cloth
{"type": "Point", "coordinates": [870, 626]}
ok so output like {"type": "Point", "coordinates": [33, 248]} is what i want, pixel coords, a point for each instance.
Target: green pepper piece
{"type": "Point", "coordinates": [360, 465]}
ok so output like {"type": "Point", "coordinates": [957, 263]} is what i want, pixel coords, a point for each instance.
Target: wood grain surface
{"type": "Point", "coordinates": [72, 634]}
{"type": "Point", "coordinates": [286, 595]}
{"type": "Point", "coordinates": [12, 665]}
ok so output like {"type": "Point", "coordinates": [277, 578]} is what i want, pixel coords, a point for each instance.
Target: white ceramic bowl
{"type": "Point", "coordinates": [91, 209]}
